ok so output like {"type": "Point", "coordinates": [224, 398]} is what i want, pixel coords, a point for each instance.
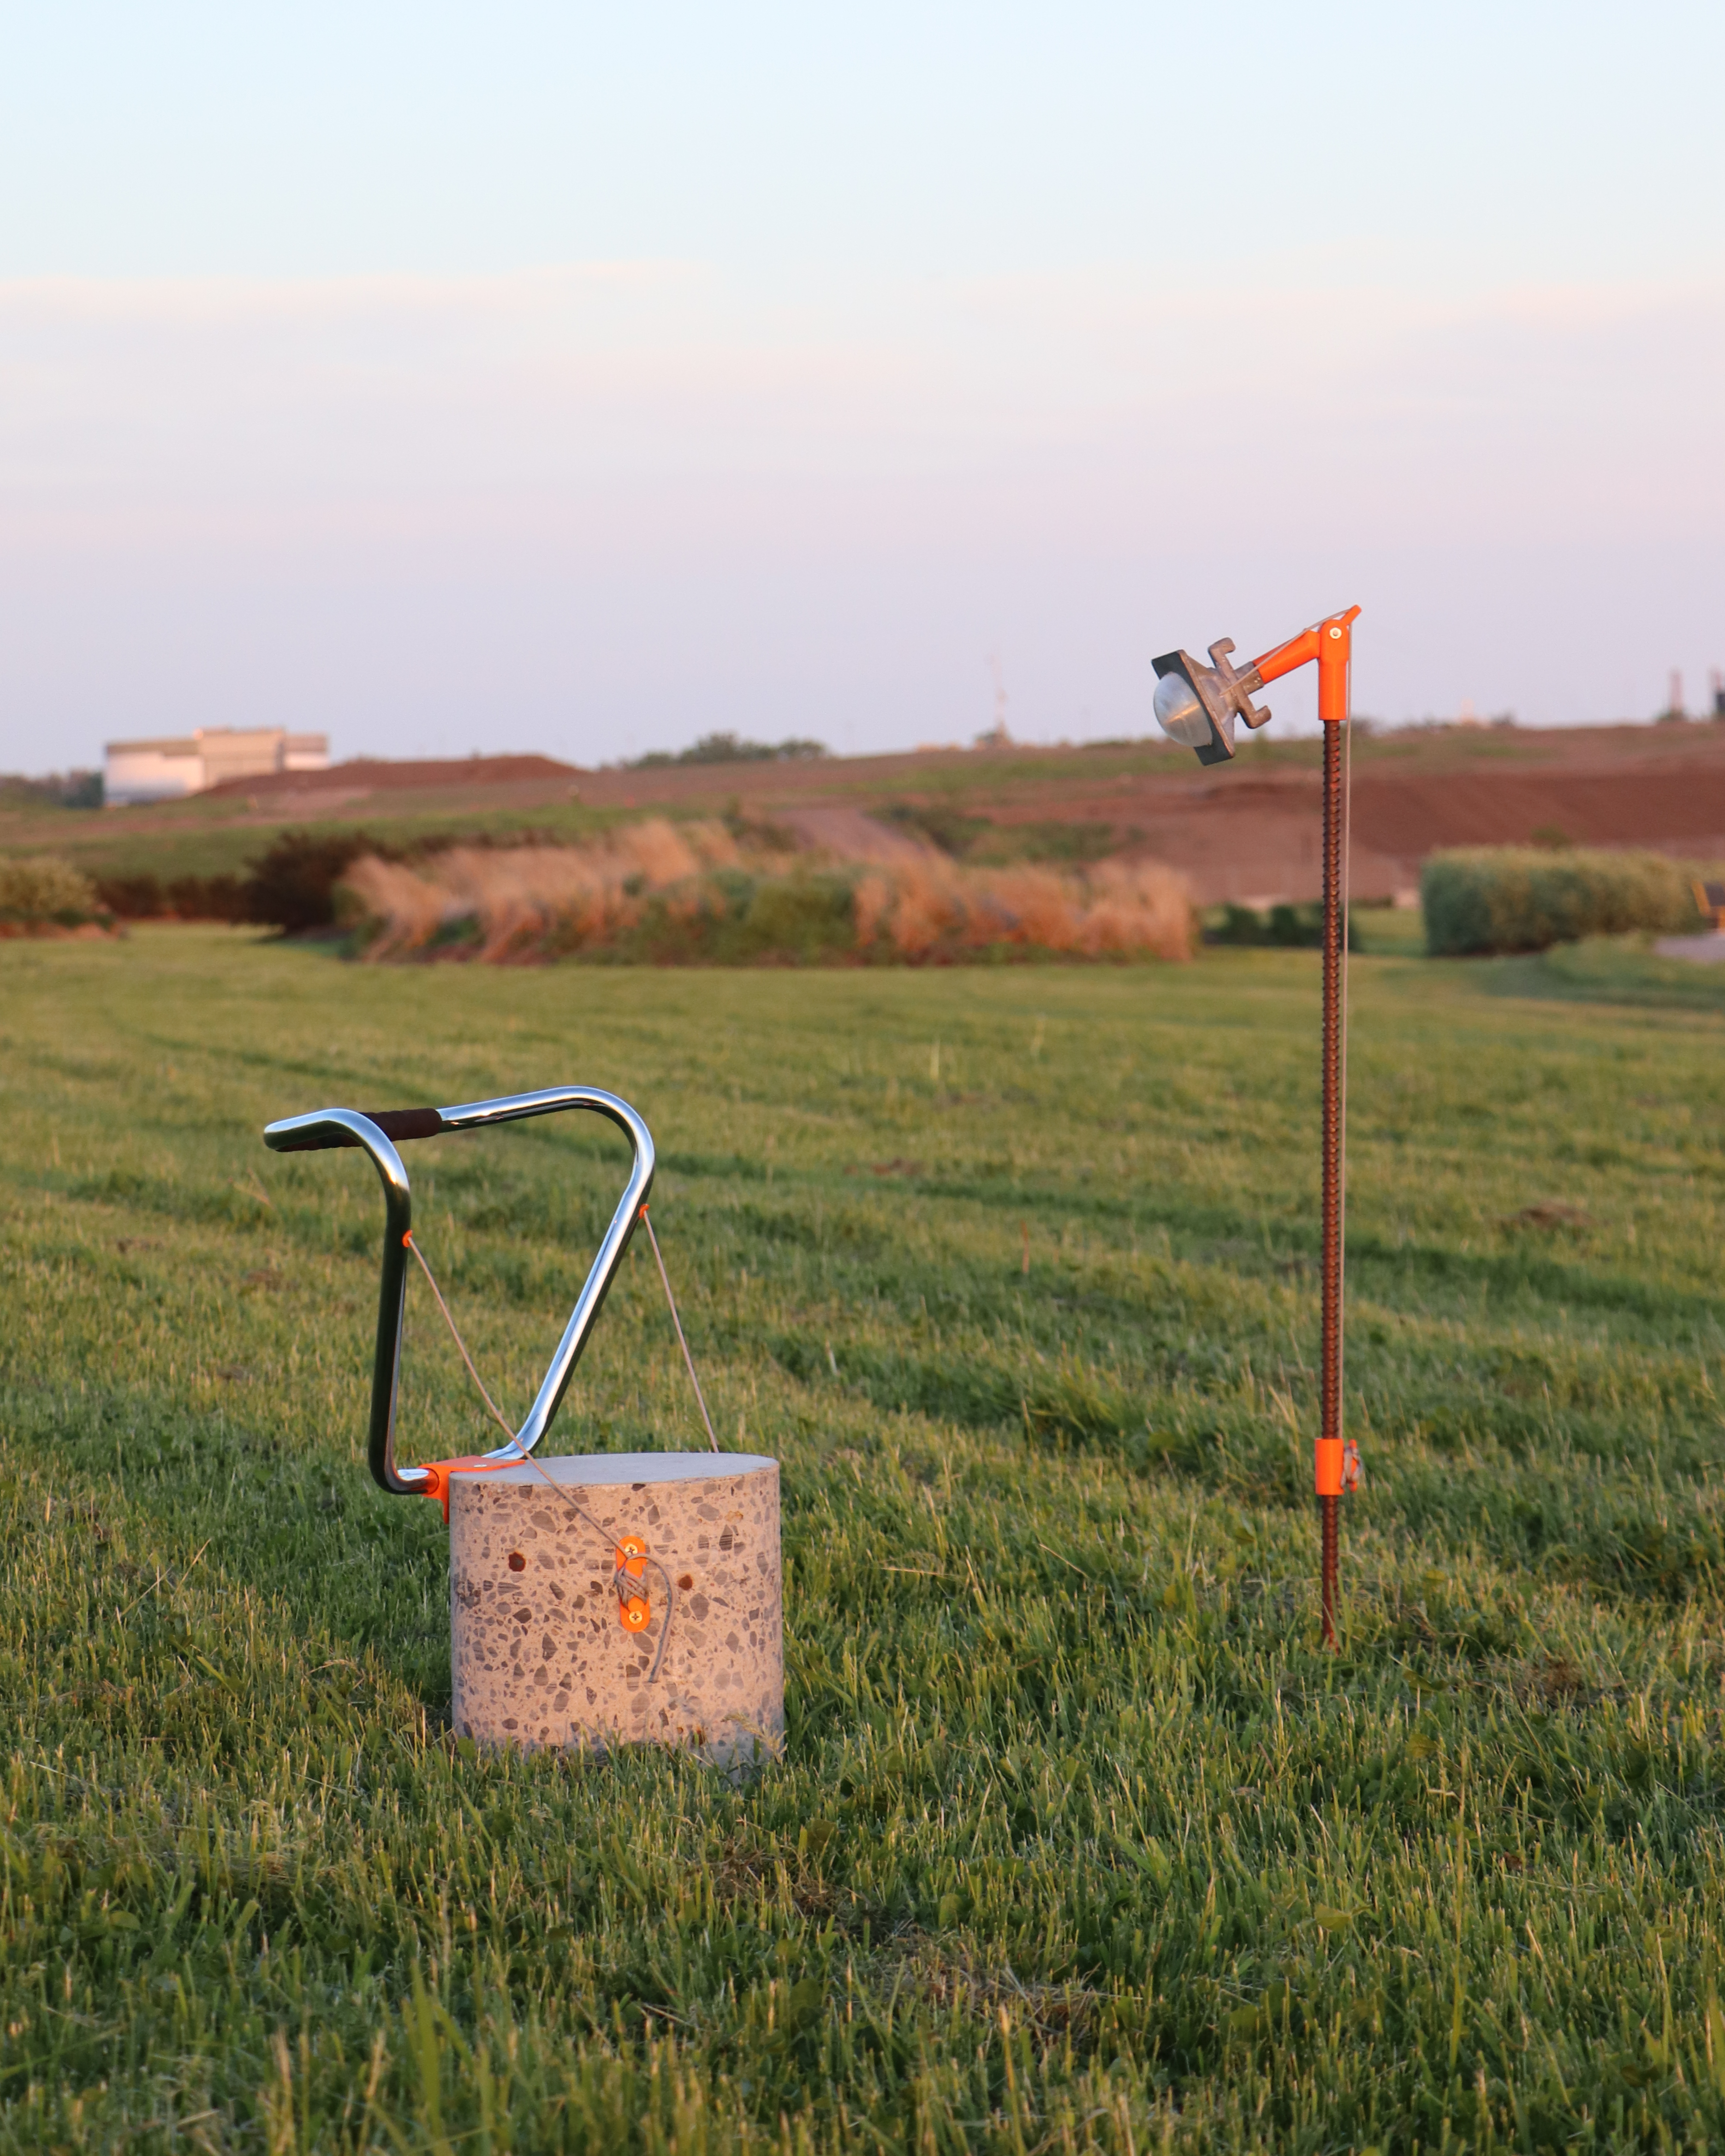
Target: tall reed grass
{"type": "Point", "coordinates": [929, 909]}
{"type": "Point", "coordinates": [656, 892]}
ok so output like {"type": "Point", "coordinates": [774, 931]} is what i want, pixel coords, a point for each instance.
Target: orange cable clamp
{"type": "Point", "coordinates": [635, 1609]}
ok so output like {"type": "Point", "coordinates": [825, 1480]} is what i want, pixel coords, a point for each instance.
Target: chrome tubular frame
{"type": "Point", "coordinates": [375, 1134]}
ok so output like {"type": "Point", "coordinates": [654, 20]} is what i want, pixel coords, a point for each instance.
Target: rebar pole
{"type": "Point", "coordinates": [1330, 1357]}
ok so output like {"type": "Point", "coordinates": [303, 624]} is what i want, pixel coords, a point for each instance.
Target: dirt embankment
{"type": "Point", "coordinates": [1259, 842]}
{"type": "Point", "coordinates": [1237, 834]}
{"type": "Point", "coordinates": [1250, 831]}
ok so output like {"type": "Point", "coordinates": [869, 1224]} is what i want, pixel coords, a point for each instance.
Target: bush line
{"type": "Point", "coordinates": [1481, 899]}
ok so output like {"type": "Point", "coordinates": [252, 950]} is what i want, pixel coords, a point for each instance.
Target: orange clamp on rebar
{"type": "Point", "coordinates": [635, 1610]}
{"type": "Point", "coordinates": [1338, 1463]}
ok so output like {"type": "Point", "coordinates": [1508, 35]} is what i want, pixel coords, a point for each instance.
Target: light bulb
{"type": "Point", "coordinates": [1178, 712]}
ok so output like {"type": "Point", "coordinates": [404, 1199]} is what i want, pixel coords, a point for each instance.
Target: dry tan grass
{"type": "Point", "coordinates": [1115, 909]}
{"type": "Point", "coordinates": [912, 910]}
{"type": "Point", "coordinates": [517, 894]}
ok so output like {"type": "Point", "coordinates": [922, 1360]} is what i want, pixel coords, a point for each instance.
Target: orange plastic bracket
{"type": "Point", "coordinates": [439, 1471]}
{"type": "Point", "coordinates": [635, 1610]}
{"type": "Point", "coordinates": [1338, 1466]}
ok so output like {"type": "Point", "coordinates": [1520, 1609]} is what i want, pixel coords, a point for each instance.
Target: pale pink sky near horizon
{"type": "Point", "coordinates": [747, 426]}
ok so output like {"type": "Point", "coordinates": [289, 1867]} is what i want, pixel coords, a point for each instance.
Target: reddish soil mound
{"type": "Point", "coordinates": [373, 775]}
{"type": "Point", "coordinates": [1254, 835]}
{"type": "Point", "coordinates": [1663, 808]}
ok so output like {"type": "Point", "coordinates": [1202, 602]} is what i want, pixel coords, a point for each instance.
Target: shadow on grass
{"type": "Point", "coordinates": [1607, 969]}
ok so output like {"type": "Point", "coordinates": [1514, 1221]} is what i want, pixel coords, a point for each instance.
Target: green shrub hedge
{"type": "Point", "coordinates": [1283, 927]}
{"type": "Point", "coordinates": [41, 888]}
{"type": "Point", "coordinates": [728, 918]}
{"type": "Point", "coordinates": [1483, 899]}
{"type": "Point", "coordinates": [145, 896]}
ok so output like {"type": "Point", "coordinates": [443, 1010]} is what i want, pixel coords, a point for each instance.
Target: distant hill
{"type": "Point", "coordinates": [1248, 831]}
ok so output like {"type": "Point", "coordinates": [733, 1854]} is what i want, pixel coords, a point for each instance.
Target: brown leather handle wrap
{"type": "Point", "coordinates": [397, 1125]}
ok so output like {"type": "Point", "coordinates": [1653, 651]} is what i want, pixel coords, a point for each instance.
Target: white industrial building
{"type": "Point", "coordinates": [170, 768]}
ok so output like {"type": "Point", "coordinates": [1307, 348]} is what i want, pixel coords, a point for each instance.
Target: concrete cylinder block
{"type": "Point", "coordinates": [540, 1653]}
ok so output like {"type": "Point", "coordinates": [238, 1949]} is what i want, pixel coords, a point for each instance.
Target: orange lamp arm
{"type": "Point", "coordinates": [1298, 651]}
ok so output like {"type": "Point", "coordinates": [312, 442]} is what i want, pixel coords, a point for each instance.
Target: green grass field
{"type": "Point", "coordinates": [1078, 1839]}
{"type": "Point", "coordinates": [205, 836]}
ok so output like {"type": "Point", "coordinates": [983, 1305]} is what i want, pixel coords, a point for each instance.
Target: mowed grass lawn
{"type": "Point", "coordinates": [1078, 1838]}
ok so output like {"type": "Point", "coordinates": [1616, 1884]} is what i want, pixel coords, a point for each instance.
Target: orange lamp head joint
{"type": "Point", "coordinates": [1198, 705]}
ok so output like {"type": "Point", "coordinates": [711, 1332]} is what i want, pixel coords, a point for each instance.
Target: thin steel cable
{"type": "Point", "coordinates": [619, 1573]}
{"type": "Point", "coordinates": [455, 1335]}
{"type": "Point", "coordinates": [647, 1223]}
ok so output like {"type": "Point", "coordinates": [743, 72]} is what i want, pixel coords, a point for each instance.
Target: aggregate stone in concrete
{"type": "Point", "coordinates": [541, 1656]}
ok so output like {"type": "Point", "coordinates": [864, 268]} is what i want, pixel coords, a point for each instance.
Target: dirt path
{"type": "Point", "coordinates": [851, 834]}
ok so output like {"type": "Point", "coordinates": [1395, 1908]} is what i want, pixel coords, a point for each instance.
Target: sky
{"type": "Point", "coordinates": [448, 377]}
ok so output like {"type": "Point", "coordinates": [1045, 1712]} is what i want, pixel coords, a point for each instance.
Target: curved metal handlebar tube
{"type": "Point", "coordinates": [480, 1115]}
{"type": "Point", "coordinates": [346, 1126]}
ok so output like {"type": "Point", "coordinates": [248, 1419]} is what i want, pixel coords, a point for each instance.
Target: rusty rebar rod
{"type": "Point", "coordinates": [1330, 1352]}
{"type": "Point", "coordinates": [1199, 706]}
